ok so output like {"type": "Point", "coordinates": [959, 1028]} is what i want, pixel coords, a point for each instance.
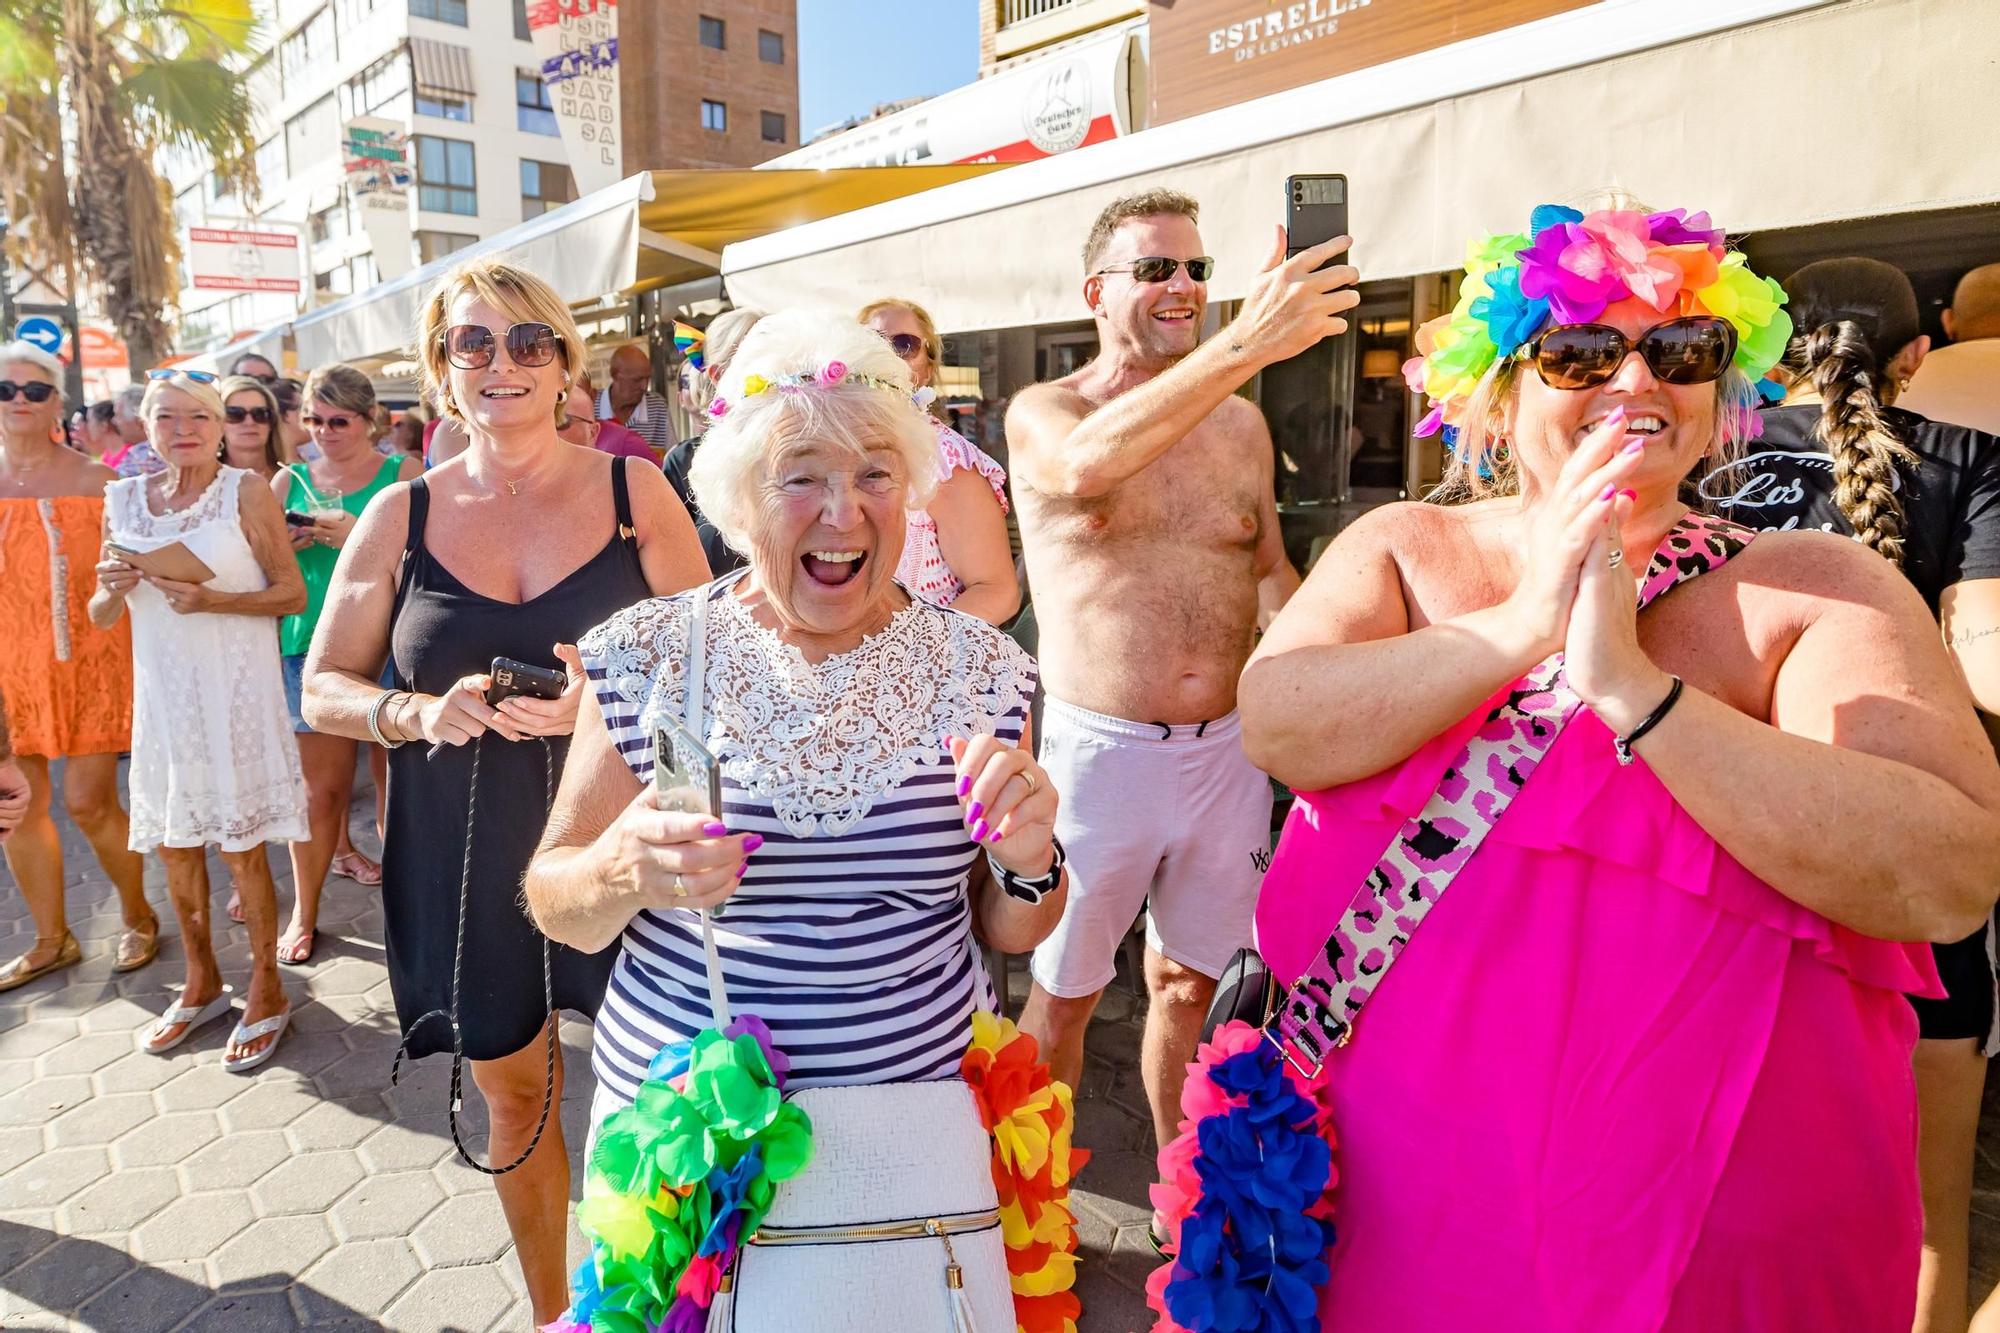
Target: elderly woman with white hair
{"type": "Point", "coordinates": [198, 551]}
{"type": "Point", "coordinates": [880, 800]}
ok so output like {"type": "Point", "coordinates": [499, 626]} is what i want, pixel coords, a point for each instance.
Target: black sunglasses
{"type": "Point", "coordinates": [1695, 349]}
{"type": "Point", "coordinates": [1159, 268]}
{"type": "Point", "coordinates": [905, 345]}
{"type": "Point", "coordinates": [35, 391]}
{"type": "Point", "coordinates": [470, 346]}
{"type": "Point", "coordinates": [314, 419]}
{"type": "Point", "coordinates": [236, 416]}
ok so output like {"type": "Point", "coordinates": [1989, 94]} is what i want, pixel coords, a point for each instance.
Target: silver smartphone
{"type": "Point", "coordinates": [684, 772]}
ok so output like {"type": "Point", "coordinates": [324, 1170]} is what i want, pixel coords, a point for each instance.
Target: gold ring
{"type": "Point", "coordinates": [680, 890]}
{"type": "Point", "coordinates": [1029, 778]}
{"type": "Point", "coordinates": [1617, 558]}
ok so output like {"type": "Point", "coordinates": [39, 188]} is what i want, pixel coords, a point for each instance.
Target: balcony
{"type": "Point", "coordinates": [1027, 25]}
{"type": "Point", "coordinates": [1019, 11]}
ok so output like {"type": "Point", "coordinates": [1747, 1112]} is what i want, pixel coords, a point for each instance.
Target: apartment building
{"type": "Point", "coordinates": [474, 106]}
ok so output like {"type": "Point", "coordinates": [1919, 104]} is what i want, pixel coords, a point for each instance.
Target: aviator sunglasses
{"type": "Point", "coordinates": [1695, 349]}
{"type": "Point", "coordinates": [236, 416]}
{"type": "Point", "coordinates": [470, 346]}
{"type": "Point", "coordinates": [1159, 268]}
{"type": "Point", "coordinates": [905, 345]}
{"type": "Point", "coordinates": [314, 419]}
{"type": "Point", "coordinates": [170, 372]}
{"type": "Point", "coordinates": [35, 391]}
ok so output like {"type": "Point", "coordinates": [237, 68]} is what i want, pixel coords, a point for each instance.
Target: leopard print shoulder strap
{"type": "Point", "coordinates": [1318, 1013]}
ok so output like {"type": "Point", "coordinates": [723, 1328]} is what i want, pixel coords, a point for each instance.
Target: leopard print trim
{"type": "Point", "coordinates": [1318, 1013]}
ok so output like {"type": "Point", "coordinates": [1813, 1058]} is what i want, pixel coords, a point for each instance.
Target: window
{"type": "Point", "coordinates": [329, 223]}
{"type": "Point", "coordinates": [522, 32]}
{"type": "Point", "coordinates": [311, 41]}
{"type": "Point", "coordinates": [444, 11]}
{"type": "Point", "coordinates": [774, 126]}
{"type": "Point", "coordinates": [312, 135]}
{"type": "Point", "coordinates": [533, 111]}
{"type": "Point", "coordinates": [711, 33]}
{"type": "Point", "coordinates": [444, 106]}
{"type": "Point", "coordinates": [380, 84]}
{"type": "Point", "coordinates": [545, 185]}
{"type": "Point", "coordinates": [351, 12]}
{"type": "Point", "coordinates": [271, 163]}
{"type": "Point", "coordinates": [714, 116]}
{"type": "Point", "coordinates": [446, 179]}
{"type": "Point", "coordinates": [770, 46]}
{"type": "Point", "coordinates": [437, 244]}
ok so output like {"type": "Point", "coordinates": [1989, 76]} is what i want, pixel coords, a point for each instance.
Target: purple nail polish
{"type": "Point", "coordinates": [965, 785]}
{"type": "Point", "coordinates": [1614, 416]}
{"type": "Point", "coordinates": [1609, 491]}
{"type": "Point", "coordinates": [715, 829]}
{"type": "Point", "coordinates": [1637, 446]}
{"type": "Point", "coordinates": [742, 870]}
{"type": "Point", "coordinates": [997, 835]}
{"type": "Point", "coordinates": [977, 809]}
{"type": "Point", "coordinates": [753, 842]}
{"type": "Point", "coordinates": [979, 831]}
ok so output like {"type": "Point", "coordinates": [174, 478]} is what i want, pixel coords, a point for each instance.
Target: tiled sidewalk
{"type": "Point", "coordinates": [140, 1194]}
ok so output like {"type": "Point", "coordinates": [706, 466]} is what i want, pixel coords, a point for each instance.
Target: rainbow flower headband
{"type": "Point", "coordinates": [831, 375]}
{"type": "Point", "coordinates": [1576, 266]}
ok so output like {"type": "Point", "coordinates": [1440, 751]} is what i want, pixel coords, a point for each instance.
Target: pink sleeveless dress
{"type": "Point", "coordinates": [1615, 1083]}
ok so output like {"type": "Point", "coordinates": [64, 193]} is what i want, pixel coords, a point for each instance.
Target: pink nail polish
{"type": "Point", "coordinates": [975, 810]}
{"type": "Point", "coordinates": [979, 831]}
{"type": "Point", "coordinates": [716, 829]}
{"type": "Point", "coordinates": [1615, 417]}
{"type": "Point", "coordinates": [742, 870]}
{"type": "Point", "coordinates": [997, 835]}
{"type": "Point", "coordinates": [1635, 447]}
{"type": "Point", "coordinates": [965, 785]}
{"type": "Point", "coordinates": [1629, 494]}
{"type": "Point", "coordinates": [1609, 491]}
{"type": "Point", "coordinates": [753, 842]}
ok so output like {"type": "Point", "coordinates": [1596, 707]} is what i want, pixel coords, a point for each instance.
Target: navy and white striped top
{"type": "Point", "coordinates": [851, 935]}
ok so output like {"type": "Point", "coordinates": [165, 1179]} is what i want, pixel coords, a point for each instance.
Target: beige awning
{"type": "Point", "coordinates": [647, 231]}
{"type": "Point", "coordinates": [1768, 113]}
{"type": "Point", "coordinates": [440, 67]}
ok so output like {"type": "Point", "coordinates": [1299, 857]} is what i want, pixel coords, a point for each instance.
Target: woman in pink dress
{"type": "Point", "coordinates": [1646, 1066]}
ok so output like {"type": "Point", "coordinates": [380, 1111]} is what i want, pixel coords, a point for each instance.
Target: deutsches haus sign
{"type": "Point", "coordinates": [1215, 53]}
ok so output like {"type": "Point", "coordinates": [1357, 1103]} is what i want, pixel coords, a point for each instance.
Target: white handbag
{"type": "Point", "coordinates": [894, 1225]}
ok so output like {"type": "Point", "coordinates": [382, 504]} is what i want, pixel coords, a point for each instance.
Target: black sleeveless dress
{"type": "Point", "coordinates": [441, 631]}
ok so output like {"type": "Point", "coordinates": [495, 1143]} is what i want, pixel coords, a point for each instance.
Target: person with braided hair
{"type": "Point", "coordinates": [1838, 454]}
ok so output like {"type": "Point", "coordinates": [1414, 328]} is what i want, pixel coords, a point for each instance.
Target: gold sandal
{"type": "Point", "coordinates": [138, 946]}
{"type": "Point", "coordinates": [20, 972]}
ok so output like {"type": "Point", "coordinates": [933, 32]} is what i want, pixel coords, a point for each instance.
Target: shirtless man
{"type": "Point", "coordinates": [1151, 534]}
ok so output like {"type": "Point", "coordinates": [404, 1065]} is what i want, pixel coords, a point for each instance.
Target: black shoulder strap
{"type": "Point", "coordinates": [621, 498]}
{"type": "Point", "coordinates": [420, 508]}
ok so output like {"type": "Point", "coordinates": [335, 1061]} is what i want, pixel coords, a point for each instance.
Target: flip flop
{"type": "Point", "coordinates": [137, 947]}
{"type": "Point", "coordinates": [18, 972]}
{"type": "Point", "coordinates": [192, 1015]}
{"type": "Point", "coordinates": [357, 868]}
{"type": "Point", "coordinates": [234, 911]}
{"type": "Point", "coordinates": [263, 1027]}
{"type": "Point", "coordinates": [296, 958]}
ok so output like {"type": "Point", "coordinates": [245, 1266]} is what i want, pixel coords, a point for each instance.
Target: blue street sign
{"type": "Point", "coordinates": [40, 331]}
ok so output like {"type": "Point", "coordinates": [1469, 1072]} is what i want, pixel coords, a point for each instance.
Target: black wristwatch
{"type": "Point", "coordinates": [1030, 890]}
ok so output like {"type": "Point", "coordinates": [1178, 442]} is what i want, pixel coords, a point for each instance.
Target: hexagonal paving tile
{"type": "Point", "coordinates": [387, 1205]}
{"type": "Point", "coordinates": [46, 1180]}
{"type": "Point", "coordinates": [303, 1054]}
{"type": "Point", "coordinates": [42, 1099]}
{"type": "Point", "coordinates": [26, 1235]}
{"type": "Point", "coordinates": [136, 1071]}
{"type": "Point", "coordinates": [264, 1257]}
{"type": "Point", "coordinates": [272, 1104]}
{"type": "Point", "coordinates": [69, 1273]}
{"type": "Point", "coordinates": [353, 1074]}
{"type": "Point", "coordinates": [84, 1054]}
{"type": "Point", "coordinates": [449, 1299]}
{"type": "Point", "coordinates": [23, 1041]}
{"type": "Point", "coordinates": [363, 1277]}
{"type": "Point", "coordinates": [193, 1226]}
{"type": "Point", "coordinates": [128, 1014]}
{"type": "Point", "coordinates": [349, 976]}
{"type": "Point", "coordinates": [470, 1229]}
{"type": "Point", "coordinates": [235, 1162]}
{"type": "Point", "coordinates": [150, 1299]}
{"type": "Point", "coordinates": [308, 1183]}
{"type": "Point", "coordinates": [455, 1176]}
{"type": "Point", "coordinates": [337, 1124]}
{"type": "Point", "coordinates": [103, 1119]}
{"type": "Point", "coordinates": [166, 1139]}
{"type": "Point", "coordinates": [120, 1201]}
{"type": "Point", "coordinates": [399, 1147]}
{"type": "Point", "coordinates": [204, 1087]}
{"type": "Point", "coordinates": [249, 1312]}
{"type": "Point", "coordinates": [17, 1145]}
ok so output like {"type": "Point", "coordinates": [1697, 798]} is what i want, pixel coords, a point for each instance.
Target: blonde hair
{"type": "Point", "coordinates": [276, 452]}
{"type": "Point", "coordinates": [506, 287]}
{"type": "Point", "coordinates": [734, 460]}
{"type": "Point", "coordinates": [205, 394]}
{"type": "Point", "coordinates": [933, 345]}
{"type": "Point", "coordinates": [341, 385]}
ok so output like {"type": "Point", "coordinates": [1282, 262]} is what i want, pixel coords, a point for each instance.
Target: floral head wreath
{"type": "Point", "coordinates": [1574, 267]}
{"type": "Point", "coordinates": [829, 376]}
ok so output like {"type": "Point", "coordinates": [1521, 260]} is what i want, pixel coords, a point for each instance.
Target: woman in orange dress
{"type": "Point", "coordinates": [68, 685]}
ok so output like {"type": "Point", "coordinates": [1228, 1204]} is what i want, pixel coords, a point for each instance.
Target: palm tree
{"type": "Point", "coordinates": [91, 93]}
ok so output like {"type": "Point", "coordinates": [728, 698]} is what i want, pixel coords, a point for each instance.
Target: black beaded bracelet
{"type": "Point", "coordinates": [1623, 744]}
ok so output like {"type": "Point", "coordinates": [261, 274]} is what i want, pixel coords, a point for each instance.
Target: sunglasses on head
{"type": "Point", "coordinates": [236, 416]}
{"type": "Point", "coordinates": [1159, 268]}
{"type": "Point", "coordinates": [315, 419]}
{"type": "Point", "coordinates": [905, 345]}
{"type": "Point", "coordinates": [169, 372]}
{"type": "Point", "coordinates": [1695, 349]}
{"type": "Point", "coordinates": [35, 391]}
{"type": "Point", "coordinates": [470, 346]}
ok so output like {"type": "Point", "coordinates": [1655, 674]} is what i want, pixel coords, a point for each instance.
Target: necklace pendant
{"type": "Point", "coordinates": [512, 489]}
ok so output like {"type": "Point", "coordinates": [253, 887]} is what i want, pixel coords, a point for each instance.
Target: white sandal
{"type": "Point", "coordinates": [273, 1027]}
{"type": "Point", "coordinates": [192, 1015]}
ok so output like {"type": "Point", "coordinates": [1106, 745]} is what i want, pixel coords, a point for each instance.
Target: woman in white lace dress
{"type": "Point", "coordinates": [212, 753]}
{"type": "Point", "coordinates": [878, 784]}
{"type": "Point", "coordinates": [957, 553]}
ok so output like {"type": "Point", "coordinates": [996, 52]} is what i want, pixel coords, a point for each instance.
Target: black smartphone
{"type": "Point", "coordinates": [1315, 212]}
{"type": "Point", "coordinates": [294, 519]}
{"type": "Point", "coordinates": [511, 678]}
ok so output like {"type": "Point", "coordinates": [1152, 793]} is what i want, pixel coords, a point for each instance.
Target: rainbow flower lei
{"type": "Point", "coordinates": [1246, 1190]}
{"type": "Point", "coordinates": [677, 1180]}
{"type": "Point", "coordinates": [1030, 1116]}
{"type": "Point", "coordinates": [1569, 269]}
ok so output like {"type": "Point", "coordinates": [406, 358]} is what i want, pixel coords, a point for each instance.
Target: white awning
{"type": "Point", "coordinates": [441, 67]}
{"type": "Point", "coordinates": [1768, 113]}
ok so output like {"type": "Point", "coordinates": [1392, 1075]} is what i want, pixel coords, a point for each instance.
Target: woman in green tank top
{"type": "Point", "coordinates": [322, 499]}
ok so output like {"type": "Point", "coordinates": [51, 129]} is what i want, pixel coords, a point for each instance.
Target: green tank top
{"type": "Point", "coordinates": [317, 562]}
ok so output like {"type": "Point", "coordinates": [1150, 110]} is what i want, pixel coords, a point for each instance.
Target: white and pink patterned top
{"type": "Point", "coordinates": [922, 569]}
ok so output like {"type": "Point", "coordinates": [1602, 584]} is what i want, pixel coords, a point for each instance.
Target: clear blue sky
{"type": "Point", "coordinates": [854, 54]}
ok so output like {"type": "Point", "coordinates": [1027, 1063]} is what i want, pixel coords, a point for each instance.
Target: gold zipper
{"type": "Point", "coordinates": [929, 1226]}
